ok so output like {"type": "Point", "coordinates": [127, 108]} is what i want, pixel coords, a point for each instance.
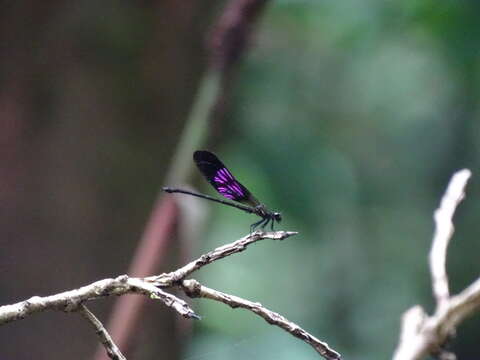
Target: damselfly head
{"type": "Point", "coordinates": [277, 216]}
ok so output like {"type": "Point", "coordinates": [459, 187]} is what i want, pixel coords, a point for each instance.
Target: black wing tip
{"type": "Point", "coordinates": [198, 153]}
{"type": "Point", "coordinates": [201, 155]}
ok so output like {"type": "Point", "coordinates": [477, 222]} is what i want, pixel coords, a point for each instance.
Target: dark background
{"type": "Point", "coordinates": [348, 117]}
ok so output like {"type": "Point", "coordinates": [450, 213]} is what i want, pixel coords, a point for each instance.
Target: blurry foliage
{"type": "Point", "coordinates": [349, 118]}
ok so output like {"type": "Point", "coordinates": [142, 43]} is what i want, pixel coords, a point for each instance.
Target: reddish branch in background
{"type": "Point", "coordinates": [228, 41]}
{"type": "Point", "coordinates": [151, 251]}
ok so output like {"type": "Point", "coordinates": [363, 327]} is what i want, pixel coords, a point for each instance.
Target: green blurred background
{"type": "Point", "coordinates": [348, 117]}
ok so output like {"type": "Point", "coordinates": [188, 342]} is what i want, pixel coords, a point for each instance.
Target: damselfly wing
{"type": "Point", "coordinates": [222, 179]}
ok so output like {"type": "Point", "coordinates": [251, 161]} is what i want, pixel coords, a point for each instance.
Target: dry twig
{"type": "Point", "coordinates": [70, 300]}
{"type": "Point", "coordinates": [194, 289]}
{"type": "Point", "coordinates": [113, 351]}
{"type": "Point", "coordinates": [422, 334]}
{"type": "Point", "coordinates": [169, 279]}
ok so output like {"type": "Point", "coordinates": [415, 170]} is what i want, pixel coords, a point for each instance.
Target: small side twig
{"type": "Point", "coordinates": [194, 289]}
{"type": "Point", "coordinates": [169, 279]}
{"type": "Point", "coordinates": [113, 351]}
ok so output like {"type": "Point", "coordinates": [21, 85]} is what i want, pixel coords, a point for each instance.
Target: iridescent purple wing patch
{"type": "Point", "coordinates": [221, 179]}
{"type": "Point", "coordinates": [225, 184]}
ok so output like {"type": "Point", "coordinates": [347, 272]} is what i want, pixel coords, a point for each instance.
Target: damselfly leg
{"type": "Point", "coordinates": [257, 224]}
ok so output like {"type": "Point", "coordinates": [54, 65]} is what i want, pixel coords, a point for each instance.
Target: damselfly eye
{"type": "Point", "coordinates": [277, 217]}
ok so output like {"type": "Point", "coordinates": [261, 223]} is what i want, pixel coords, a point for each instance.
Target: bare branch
{"type": "Point", "coordinates": [70, 300]}
{"type": "Point", "coordinates": [194, 289]}
{"type": "Point", "coordinates": [422, 334]}
{"type": "Point", "coordinates": [74, 300]}
{"type": "Point", "coordinates": [113, 351]}
{"type": "Point", "coordinates": [169, 279]}
{"type": "Point", "coordinates": [443, 232]}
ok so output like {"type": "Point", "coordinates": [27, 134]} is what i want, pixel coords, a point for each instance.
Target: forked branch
{"type": "Point", "coordinates": [422, 334]}
{"type": "Point", "coordinates": [155, 287]}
